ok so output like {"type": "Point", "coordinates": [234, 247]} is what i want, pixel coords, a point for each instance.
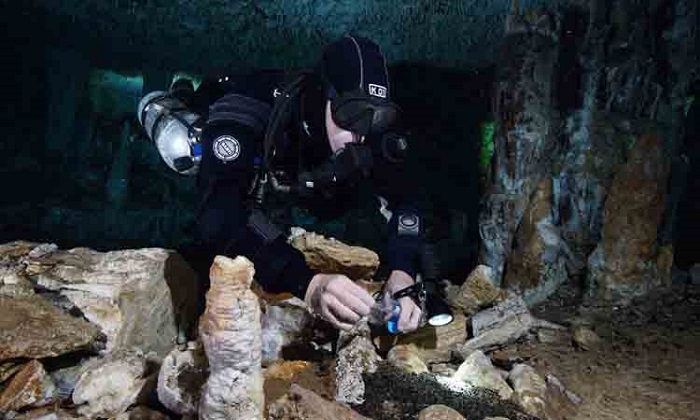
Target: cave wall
{"type": "Point", "coordinates": [589, 105]}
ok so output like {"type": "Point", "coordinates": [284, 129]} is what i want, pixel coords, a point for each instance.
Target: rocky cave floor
{"type": "Point", "coordinates": [646, 364]}
{"type": "Point", "coordinates": [643, 367]}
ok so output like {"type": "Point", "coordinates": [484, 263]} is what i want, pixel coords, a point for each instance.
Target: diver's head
{"type": "Point", "coordinates": [356, 80]}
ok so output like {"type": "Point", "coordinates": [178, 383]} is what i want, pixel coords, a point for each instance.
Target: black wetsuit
{"type": "Point", "coordinates": [239, 108]}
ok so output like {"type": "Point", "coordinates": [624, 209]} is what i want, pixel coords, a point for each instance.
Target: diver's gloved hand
{"type": "Point", "coordinates": [338, 300]}
{"type": "Point", "coordinates": [410, 316]}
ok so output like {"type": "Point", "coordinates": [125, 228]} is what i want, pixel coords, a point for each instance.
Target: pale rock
{"type": "Point", "coordinates": [477, 370]}
{"type": "Point", "coordinates": [230, 331]}
{"type": "Point", "coordinates": [181, 378]}
{"type": "Point", "coordinates": [49, 413]}
{"type": "Point", "coordinates": [356, 356]}
{"type": "Point", "coordinates": [302, 404]}
{"type": "Point", "coordinates": [141, 413]}
{"type": "Point", "coordinates": [333, 256]}
{"type": "Point", "coordinates": [443, 369]}
{"type": "Point", "coordinates": [283, 324]}
{"type": "Point", "coordinates": [496, 418]}
{"type": "Point", "coordinates": [110, 385]}
{"type": "Point", "coordinates": [530, 389]}
{"type": "Point", "coordinates": [30, 327]}
{"type": "Point", "coordinates": [30, 387]}
{"type": "Point", "coordinates": [14, 283]}
{"type": "Point", "coordinates": [479, 291]}
{"type": "Point", "coordinates": [439, 412]}
{"type": "Point", "coordinates": [406, 357]}
{"type": "Point", "coordinates": [503, 324]}
{"type": "Point", "coordinates": [128, 294]}
{"type": "Point", "coordinates": [585, 338]}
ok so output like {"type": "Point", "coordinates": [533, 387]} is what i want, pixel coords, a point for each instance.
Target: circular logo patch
{"type": "Point", "coordinates": [227, 148]}
{"type": "Point", "coordinates": [408, 221]}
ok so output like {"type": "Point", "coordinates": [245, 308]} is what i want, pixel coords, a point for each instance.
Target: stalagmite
{"type": "Point", "coordinates": [231, 334]}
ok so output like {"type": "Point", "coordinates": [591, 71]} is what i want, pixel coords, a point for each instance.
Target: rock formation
{"type": "Point", "coordinates": [231, 334]}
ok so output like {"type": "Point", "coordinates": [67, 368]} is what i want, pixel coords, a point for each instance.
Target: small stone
{"type": "Point", "coordinates": [585, 338]}
{"type": "Point", "coordinates": [505, 359]}
{"type": "Point", "coordinates": [30, 387]}
{"type": "Point", "coordinates": [32, 328]}
{"type": "Point", "coordinates": [333, 256]}
{"type": "Point", "coordinates": [479, 291]}
{"type": "Point", "coordinates": [283, 324]}
{"type": "Point", "coordinates": [477, 370]}
{"type": "Point", "coordinates": [439, 412]}
{"type": "Point", "coordinates": [443, 369]}
{"type": "Point", "coordinates": [530, 389]}
{"type": "Point", "coordinates": [141, 413]}
{"type": "Point", "coordinates": [496, 418]}
{"type": "Point", "coordinates": [356, 356]}
{"type": "Point", "coordinates": [406, 357]}
{"type": "Point", "coordinates": [111, 385]}
{"type": "Point", "coordinates": [181, 378]}
{"type": "Point", "coordinates": [304, 404]}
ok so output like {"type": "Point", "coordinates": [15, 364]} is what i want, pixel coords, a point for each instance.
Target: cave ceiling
{"type": "Point", "coordinates": [207, 35]}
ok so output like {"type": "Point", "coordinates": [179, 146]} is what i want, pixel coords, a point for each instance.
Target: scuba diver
{"type": "Point", "coordinates": [319, 139]}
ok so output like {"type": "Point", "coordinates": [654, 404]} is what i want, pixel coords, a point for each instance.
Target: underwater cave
{"type": "Point", "coordinates": [555, 145]}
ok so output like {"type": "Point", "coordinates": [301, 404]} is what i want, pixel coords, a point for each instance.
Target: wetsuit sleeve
{"type": "Point", "coordinates": [407, 203]}
{"type": "Point", "coordinates": [226, 224]}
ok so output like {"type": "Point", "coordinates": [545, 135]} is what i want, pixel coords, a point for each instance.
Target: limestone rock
{"type": "Point", "coordinates": [477, 370]}
{"type": "Point", "coordinates": [585, 338]}
{"type": "Point", "coordinates": [13, 282]}
{"type": "Point", "coordinates": [479, 290]}
{"type": "Point", "coordinates": [530, 389]}
{"type": "Point", "coordinates": [110, 385]}
{"type": "Point", "coordinates": [66, 378]}
{"type": "Point", "coordinates": [302, 404]}
{"type": "Point", "coordinates": [141, 413]}
{"type": "Point", "coordinates": [8, 369]}
{"type": "Point", "coordinates": [333, 256]}
{"type": "Point", "coordinates": [405, 356]}
{"type": "Point", "coordinates": [30, 327]}
{"type": "Point", "coordinates": [231, 334]}
{"type": "Point", "coordinates": [627, 261]}
{"type": "Point", "coordinates": [503, 324]}
{"type": "Point", "coordinates": [181, 379]}
{"type": "Point", "coordinates": [526, 136]}
{"type": "Point", "coordinates": [356, 356]}
{"type": "Point", "coordinates": [283, 324]}
{"type": "Point", "coordinates": [49, 413]}
{"type": "Point", "coordinates": [537, 264]}
{"type": "Point", "coordinates": [128, 294]}
{"type": "Point", "coordinates": [30, 387]}
{"type": "Point", "coordinates": [433, 344]}
{"type": "Point", "coordinates": [443, 369]}
{"type": "Point", "coordinates": [439, 412]}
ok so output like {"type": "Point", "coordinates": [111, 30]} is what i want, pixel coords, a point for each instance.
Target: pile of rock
{"type": "Point", "coordinates": [100, 335]}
